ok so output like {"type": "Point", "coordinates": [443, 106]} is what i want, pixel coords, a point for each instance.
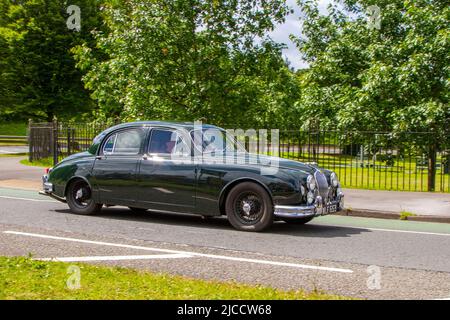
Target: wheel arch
{"type": "Point", "coordinates": [75, 178]}
{"type": "Point", "coordinates": [230, 185]}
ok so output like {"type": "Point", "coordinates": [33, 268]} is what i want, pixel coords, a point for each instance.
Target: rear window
{"type": "Point", "coordinates": [164, 142]}
{"type": "Point", "coordinates": [124, 142]}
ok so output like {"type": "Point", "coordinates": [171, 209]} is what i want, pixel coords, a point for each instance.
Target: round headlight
{"type": "Point", "coordinates": [334, 180]}
{"type": "Point", "coordinates": [311, 183]}
{"type": "Point", "coordinates": [310, 197]}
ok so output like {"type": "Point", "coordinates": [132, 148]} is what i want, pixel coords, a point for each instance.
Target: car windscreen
{"type": "Point", "coordinates": [209, 140]}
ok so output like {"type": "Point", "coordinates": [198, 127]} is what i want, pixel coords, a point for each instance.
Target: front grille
{"type": "Point", "coordinates": [322, 185]}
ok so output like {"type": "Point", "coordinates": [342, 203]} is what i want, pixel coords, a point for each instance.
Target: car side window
{"type": "Point", "coordinates": [108, 148]}
{"type": "Point", "coordinates": [164, 142]}
{"type": "Point", "coordinates": [124, 142]}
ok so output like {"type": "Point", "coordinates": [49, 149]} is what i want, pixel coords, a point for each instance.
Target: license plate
{"type": "Point", "coordinates": [332, 208]}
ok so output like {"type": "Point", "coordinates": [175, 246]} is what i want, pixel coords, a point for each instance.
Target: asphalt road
{"type": "Point", "coordinates": [358, 257]}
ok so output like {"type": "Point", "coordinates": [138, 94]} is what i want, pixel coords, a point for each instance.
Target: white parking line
{"type": "Point", "coordinates": [28, 199]}
{"type": "Point", "coordinates": [117, 258]}
{"type": "Point", "coordinates": [194, 254]}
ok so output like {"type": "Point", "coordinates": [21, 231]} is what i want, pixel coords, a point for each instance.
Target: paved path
{"type": "Point", "coordinates": [16, 175]}
{"type": "Point", "coordinates": [421, 203]}
{"type": "Point", "coordinates": [340, 255]}
{"type": "Point", "coordinates": [13, 149]}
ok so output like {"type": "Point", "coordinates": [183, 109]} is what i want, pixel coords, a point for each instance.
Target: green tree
{"type": "Point", "coordinates": [38, 74]}
{"type": "Point", "coordinates": [395, 78]}
{"type": "Point", "coordinates": [392, 78]}
{"type": "Point", "coordinates": [190, 59]}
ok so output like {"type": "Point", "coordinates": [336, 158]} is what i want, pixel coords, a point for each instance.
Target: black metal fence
{"type": "Point", "coordinates": [57, 140]}
{"type": "Point", "coordinates": [406, 161]}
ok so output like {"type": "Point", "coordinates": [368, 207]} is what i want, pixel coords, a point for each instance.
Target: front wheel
{"type": "Point", "coordinates": [249, 207]}
{"type": "Point", "coordinates": [79, 198]}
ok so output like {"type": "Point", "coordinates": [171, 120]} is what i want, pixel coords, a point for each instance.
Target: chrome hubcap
{"type": "Point", "coordinates": [79, 194]}
{"type": "Point", "coordinates": [246, 207]}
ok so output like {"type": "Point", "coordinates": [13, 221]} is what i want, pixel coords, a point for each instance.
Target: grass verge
{"type": "Point", "coordinates": [10, 155]}
{"type": "Point", "coordinates": [46, 162]}
{"type": "Point", "coordinates": [405, 214]}
{"type": "Point", "coordinates": [24, 278]}
{"type": "Point", "coordinates": [13, 129]}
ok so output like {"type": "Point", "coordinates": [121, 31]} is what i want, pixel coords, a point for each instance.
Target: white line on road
{"type": "Point", "coordinates": [194, 254]}
{"type": "Point", "coordinates": [27, 199]}
{"type": "Point", "coordinates": [321, 224]}
{"type": "Point", "coordinates": [17, 151]}
{"type": "Point", "coordinates": [117, 258]}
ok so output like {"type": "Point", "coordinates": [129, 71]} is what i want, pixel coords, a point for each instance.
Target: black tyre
{"type": "Point", "coordinates": [79, 198]}
{"type": "Point", "coordinates": [298, 220]}
{"type": "Point", "coordinates": [138, 210]}
{"type": "Point", "coordinates": [249, 207]}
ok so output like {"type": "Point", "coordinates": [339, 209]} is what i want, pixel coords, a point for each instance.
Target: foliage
{"type": "Point", "coordinates": [395, 78]}
{"type": "Point", "coordinates": [45, 162]}
{"type": "Point", "coordinates": [38, 74]}
{"type": "Point", "coordinates": [188, 60]}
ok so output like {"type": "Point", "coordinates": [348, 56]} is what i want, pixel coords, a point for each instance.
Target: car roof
{"type": "Point", "coordinates": [170, 124]}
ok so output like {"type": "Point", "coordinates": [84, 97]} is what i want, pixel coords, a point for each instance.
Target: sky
{"type": "Point", "coordinates": [293, 26]}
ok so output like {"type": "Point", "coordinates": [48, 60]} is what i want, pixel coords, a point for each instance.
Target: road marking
{"type": "Point", "coordinates": [15, 151]}
{"type": "Point", "coordinates": [194, 254]}
{"type": "Point", "coordinates": [321, 224]}
{"type": "Point", "coordinates": [117, 258]}
{"type": "Point", "coordinates": [386, 230]}
{"type": "Point", "coordinates": [27, 199]}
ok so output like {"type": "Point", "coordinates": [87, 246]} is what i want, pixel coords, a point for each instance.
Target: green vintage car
{"type": "Point", "coordinates": [183, 168]}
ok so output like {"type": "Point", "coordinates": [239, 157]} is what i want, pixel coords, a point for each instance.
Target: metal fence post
{"type": "Point", "coordinates": [69, 141]}
{"type": "Point", "coordinates": [54, 140]}
{"type": "Point", "coordinates": [30, 140]}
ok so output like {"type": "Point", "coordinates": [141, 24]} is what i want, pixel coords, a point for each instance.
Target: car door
{"type": "Point", "coordinates": [167, 174]}
{"type": "Point", "coordinates": [116, 166]}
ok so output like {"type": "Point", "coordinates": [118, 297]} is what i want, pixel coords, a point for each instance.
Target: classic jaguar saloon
{"type": "Point", "coordinates": [183, 168]}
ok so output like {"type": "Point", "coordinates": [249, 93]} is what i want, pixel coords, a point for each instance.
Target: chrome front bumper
{"type": "Point", "coordinates": [305, 211]}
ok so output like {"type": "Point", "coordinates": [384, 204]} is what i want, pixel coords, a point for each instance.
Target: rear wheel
{"type": "Point", "coordinates": [138, 210]}
{"type": "Point", "coordinates": [298, 220]}
{"type": "Point", "coordinates": [249, 207]}
{"type": "Point", "coordinates": [79, 198]}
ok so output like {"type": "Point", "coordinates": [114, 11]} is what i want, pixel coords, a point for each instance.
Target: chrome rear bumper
{"type": "Point", "coordinates": [305, 211]}
{"type": "Point", "coordinates": [47, 186]}
{"type": "Point", "coordinates": [48, 189]}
